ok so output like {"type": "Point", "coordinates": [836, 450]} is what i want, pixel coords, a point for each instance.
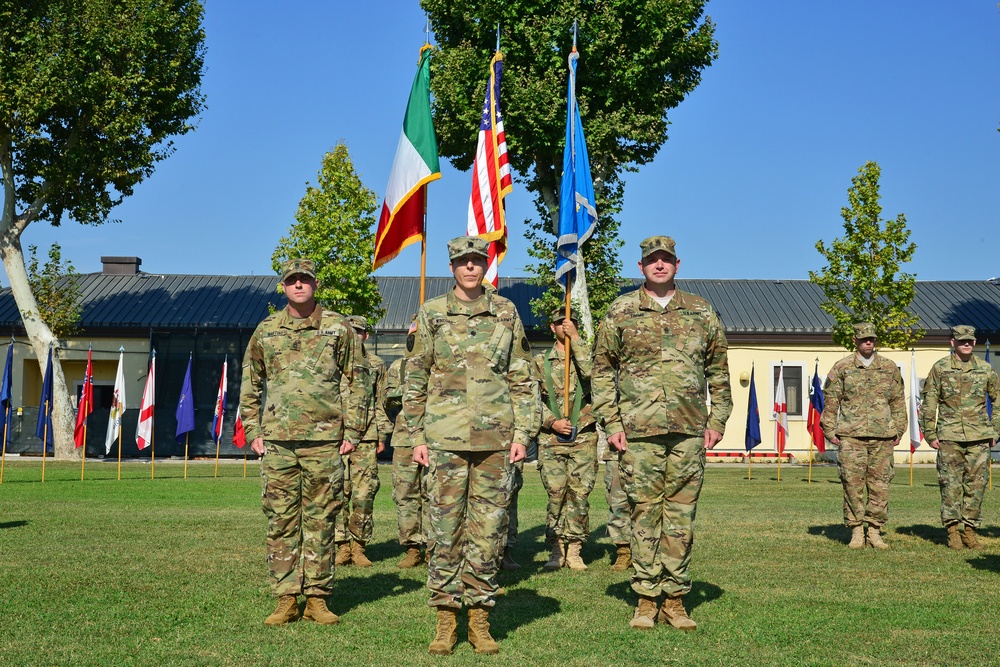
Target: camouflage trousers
{"type": "Point", "coordinates": [961, 468]}
{"type": "Point", "coordinates": [360, 486]}
{"type": "Point", "coordinates": [469, 493]}
{"type": "Point", "coordinates": [301, 491]}
{"type": "Point", "coordinates": [568, 475]}
{"type": "Point", "coordinates": [509, 525]}
{"type": "Point", "coordinates": [409, 492]}
{"type": "Point", "coordinates": [619, 528]}
{"type": "Point", "coordinates": [662, 477]}
{"type": "Point", "coordinates": [866, 464]}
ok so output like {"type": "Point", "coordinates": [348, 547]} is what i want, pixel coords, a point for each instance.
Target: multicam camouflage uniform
{"type": "Point", "coordinates": [298, 364]}
{"type": "Point", "coordinates": [663, 359]}
{"type": "Point", "coordinates": [409, 487]}
{"type": "Point", "coordinates": [864, 407]}
{"type": "Point", "coordinates": [568, 470]}
{"type": "Point", "coordinates": [468, 395]}
{"type": "Point", "coordinates": [361, 482]}
{"type": "Point", "coordinates": [953, 410]}
{"type": "Point", "coordinates": [619, 521]}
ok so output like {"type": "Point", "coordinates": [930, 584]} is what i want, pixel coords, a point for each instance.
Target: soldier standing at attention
{"type": "Point", "coordinates": [470, 405]}
{"type": "Point", "coordinates": [619, 521]}
{"type": "Point", "coordinates": [296, 359]}
{"type": "Point", "coordinates": [954, 422]}
{"type": "Point", "coordinates": [361, 482]}
{"type": "Point", "coordinates": [567, 445]}
{"type": "Point", "coordinates": [864, 412]}
{"type": "Point", "coordinates": [409, 488]}
{"type": "Point", "coordinates": [664, 346]}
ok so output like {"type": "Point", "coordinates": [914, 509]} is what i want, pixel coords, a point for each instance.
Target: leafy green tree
{"type": "Point", "coordinates": [862, 279]}
{"type": "Point", "coordinates": [91, 93]}
{"type": "Point", "coordinates": [333, 227]}
{"type": "Point", "coordinates": [639, 59]}
{"type": "Point", "coordinates": [56, 287]}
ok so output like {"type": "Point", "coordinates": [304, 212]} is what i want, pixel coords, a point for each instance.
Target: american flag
{"type": "Point", "coordinates": [491, 180]}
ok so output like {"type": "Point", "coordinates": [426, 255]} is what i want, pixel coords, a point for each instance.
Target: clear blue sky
{"type": "Point", "coordinates": [756, 169]}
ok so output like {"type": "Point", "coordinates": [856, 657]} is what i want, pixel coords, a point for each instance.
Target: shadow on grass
{"type": "Point", "coordinates": [529, 543]}
{"type": "Point", "coordinates": [991, 531]}
{"type": "Point", "coordinates": [387, 550]}
{"type": "Point", "coordinates": [518, 608]}
{"type": "Point", "coordinates": [355, 590]}
{"type": "Point", "coordinates": [701, 592]}
{"type": "Point", "coordinates": [12, 524]}
{"type": "Point", "coordinates": [836, 532]}
{"type": "Point", "coordinates": [988, 562]}
{"type": "Point", "coordinates": [932, 534]}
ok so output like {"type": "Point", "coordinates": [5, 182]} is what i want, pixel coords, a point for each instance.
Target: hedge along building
{"type": "Point", "coordinates": [211, 317]}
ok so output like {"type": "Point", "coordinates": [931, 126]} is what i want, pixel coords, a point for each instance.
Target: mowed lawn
{"type": "Point", "coordinates": [171, 572]}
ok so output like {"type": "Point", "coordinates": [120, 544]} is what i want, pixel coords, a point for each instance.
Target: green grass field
{"type": "Point", "coordinates": [171, 571]}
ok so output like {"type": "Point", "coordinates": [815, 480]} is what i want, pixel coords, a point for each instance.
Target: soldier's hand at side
{"type": "Point", "coordinates": [380, 448]}
{"type": "Point", "coordinates": [712, 438]}
{"type": "Point", "coordinates": [617, 440]}
{"type": "Point", "coordinates": [346, 447]}
{"type": "Point", "coordinates": [420, 455]}
{"type": "Point", "coordinates": [517, 452]}
{"type": "Point", "coordinates": [257, 446]}
{"type": "Point", "coordinates": [835, 440]}
{"type": "Point", "coordinates": [562, 426]}
{"type": "Point", "coordinates": [935, 445]}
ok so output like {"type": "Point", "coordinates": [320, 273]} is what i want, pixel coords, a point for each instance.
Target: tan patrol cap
{"type": "Point", "coordinates": [358, 323]}
{"type": "Point", "coordinates": [864, 330]}
{"type": "Point", "coordinates": [654, 243]}
{"type": "Point", "coordinates": [468, 245]}
{"type": "Point", "coordinates": [293, 266]}
{"type": "Point", "coordinates": [963, 332]}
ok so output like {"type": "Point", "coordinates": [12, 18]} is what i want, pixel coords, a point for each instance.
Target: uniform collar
{"type": "Point", "coordinates": [480, 306]}
{"type": "Point", "coordinates": [959, 364]}
{"type": "Point", "coordinates": [859, 364]}
{"type": "Point", "coordinates": [286, 320]}
{"type": "Point", "coordinates": [646, 302]}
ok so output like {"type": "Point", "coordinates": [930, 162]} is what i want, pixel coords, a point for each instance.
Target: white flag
{"type": "Point", "coordinates": [915, 435]}
{"type": "Point", "coordinates": [117, 405]}
{"type": "Point", "coordinates": [144, 430]}
{"type": "Point", "coordinates": [780, 413]}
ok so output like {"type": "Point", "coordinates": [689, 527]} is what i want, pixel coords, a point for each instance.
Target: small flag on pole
{"type": "Point", "coordinates": [239, 433]}
{"type": "Point", "coordinates": [753, 417]}
{"type": "Point", "coordinates": [185, 406]}
{"type": "Point", "coordinates": [86, 405]}
{"type": "Point", "coordinates": [220, 405]}
{"type": "Point", "coordinates": [43, 427]}
{"type": "Point", "coordinates": [118, 405]}
{"type": "Point", "coordinates": [915, 433]}
{"type": "Point", "coordinates": [815, 412]}
{"type": "Point", "coordinates": [491, 178]}
{"type": "Point", "coordinates": [5, 395]}
{"type": "Point", "coordinates": [780, 413]}
{"type": "Point", "coordinates": [144, 430]}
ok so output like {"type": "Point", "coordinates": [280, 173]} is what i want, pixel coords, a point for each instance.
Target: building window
{"type": "Point", "coordinates": [795, 379]}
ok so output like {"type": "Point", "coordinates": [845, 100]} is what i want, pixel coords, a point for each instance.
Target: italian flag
{"type": "Point", "coordinates": [415, 165]}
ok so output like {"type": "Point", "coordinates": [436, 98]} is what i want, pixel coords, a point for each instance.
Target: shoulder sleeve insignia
{"type": "Point", "coordinates": [524, 344]}
{"type": "Point", "coordinates": [411, 339]}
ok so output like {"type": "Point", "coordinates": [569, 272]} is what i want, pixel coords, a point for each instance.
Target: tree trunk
{"type": "Point", "coordinates": [40, 337]}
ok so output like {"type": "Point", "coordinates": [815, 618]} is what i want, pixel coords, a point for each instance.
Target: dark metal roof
{"type": "Point", "coordinates": [747, 307]}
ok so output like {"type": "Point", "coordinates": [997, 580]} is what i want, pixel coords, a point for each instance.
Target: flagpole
{"type": "Point", "coordinates": [244, 460]}
{"type": "Point", "coordinates": [45, 437]}
{"type": "Point", "coordinates": [749, 462]}
{"type": "Point", "coordinates": [423, 253]}
{"type": "Point", "coordinates": [187, 441]}
{"type": "Point", "coordinates": [911, 467]}
{"type": "Point", "coordinates": [152, 448]}
{"type": "Point", "coordinates": [120, 452]}
{"type": "Point", "coordinates": [83, 451]}
{"type": "Point", "coordinates": [566, 347]}
{"type": "Point", "coordinates": [810, 478]}
{"type": "Point", "coordinates": [3, 452]}
{"type": "Point", "coordinates": [217, 443]}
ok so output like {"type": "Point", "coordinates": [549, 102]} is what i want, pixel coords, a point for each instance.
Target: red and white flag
{"type": "Point", "coordinates": [780, 413]}
{"type": "Point", "coordinates": [915, 433]}
{"type": "Point", "coordinates": [491, 179]}
{"type": "Point", "coordinates": [239, 433]}
{"type": "Point", "coordinates": [144, 430]}
{"type": "Point", "coordinates": [220, 405]}
{"type": "Point", "coordinates": [86, 405]}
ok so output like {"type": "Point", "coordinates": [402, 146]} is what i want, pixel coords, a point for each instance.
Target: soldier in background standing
{"type": "Point", "coordinates": [953, 420]}
{"type": "Point", "coordinates": [619, 522]}
{"type": "Point", "coordinates": [297, 358]}
{"type": "Point", "coordinates": [471, 406]}
{"type": "Point", "coordinates": [657, 349]}
{"type": "Point", "coordinates": [567, 445]}
{"type": "Point", "coordinates": [864, 412]}
{"type": "Point", "coordinates": [361, 482]}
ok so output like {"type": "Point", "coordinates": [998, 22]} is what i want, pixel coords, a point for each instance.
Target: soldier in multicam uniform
{"type": "Point", "coordinates": [295, 360]}
{"type": "Point", "coordinates": [361, 482]}
{"type": "Point", "coordinates": [954, 421]}
{"type": "Point", "coordinates": [619, 521]}
{"type": "Point", "coordinates": [864, 412]}
{"type": "Point", "coordinates": [470, 405]}
{"type": "Point", "coordinates": [567, 444]}
{"type": "Point", "coordinates": [663, 346]}
{"type": "Point", "coordinates": [409, 487]}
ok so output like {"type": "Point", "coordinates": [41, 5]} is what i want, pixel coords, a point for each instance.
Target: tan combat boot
{"type": "Point", "coordinates": [672, 611]}
{"type": "Point", "coordinates": [446, 633]}
{"type": "Point", "coordinates": [358, 556]}
{"type": "Point", "coordinates": [970, 540]}
{"type": "Point", "coordinates": [343, 554]}
{"type": "Point", "coordinates": [857, 537]}
{"type": "Point", "coordinates": [955, 538]}
{"type": "Point", "coordinates": [479, 631]}
{"type": "Point", "coordinates": [875, 538]}
{"type": "Point", "coordinates": [287, 611]}
{"type": "Point", "coordinates": [316, 610]}
{"type": "Point", "coordinates": [645, 614]}
{"type": "Point", "coordinates": [623, 558]}
{"type": "Point", "coordinates": [573, 560]}
{"type": "Point", "coordinates": [411, 559]}
{"type": "Point", "coordinates": [508, 562]}
{"type": "Point", "coordinates": [557, 559]}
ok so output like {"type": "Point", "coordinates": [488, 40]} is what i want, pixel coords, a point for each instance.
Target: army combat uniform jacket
{"type": "Point", "coordinates": [379, 427]}
{"type": "Point", "coordinates": [953, 402]}
{"type": "Point", "coordinates": [580, 372]}
{"type": "Point", "coordinates": [864, 402]}
{"type": "Point", "coordinates": [468, 384]}
{"type": "Point", "coordinates": [298, 364]}
{"type": "Point", "coordinates": [662, 358]}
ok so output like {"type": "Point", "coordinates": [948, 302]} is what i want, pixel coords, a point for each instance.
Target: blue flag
{"type": "Point", "coordinates": [5, 399]}
{"type": "Point", "coordinates": [185, 406]}
{"type": "Point", "coordinates": [43, 429]}
{"type": "Point", "coordinates": [989, 401]}
{"type": "Point", "coordinates": [753, 417]}
{"type": "Point", "coordinates": [577, 210]}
